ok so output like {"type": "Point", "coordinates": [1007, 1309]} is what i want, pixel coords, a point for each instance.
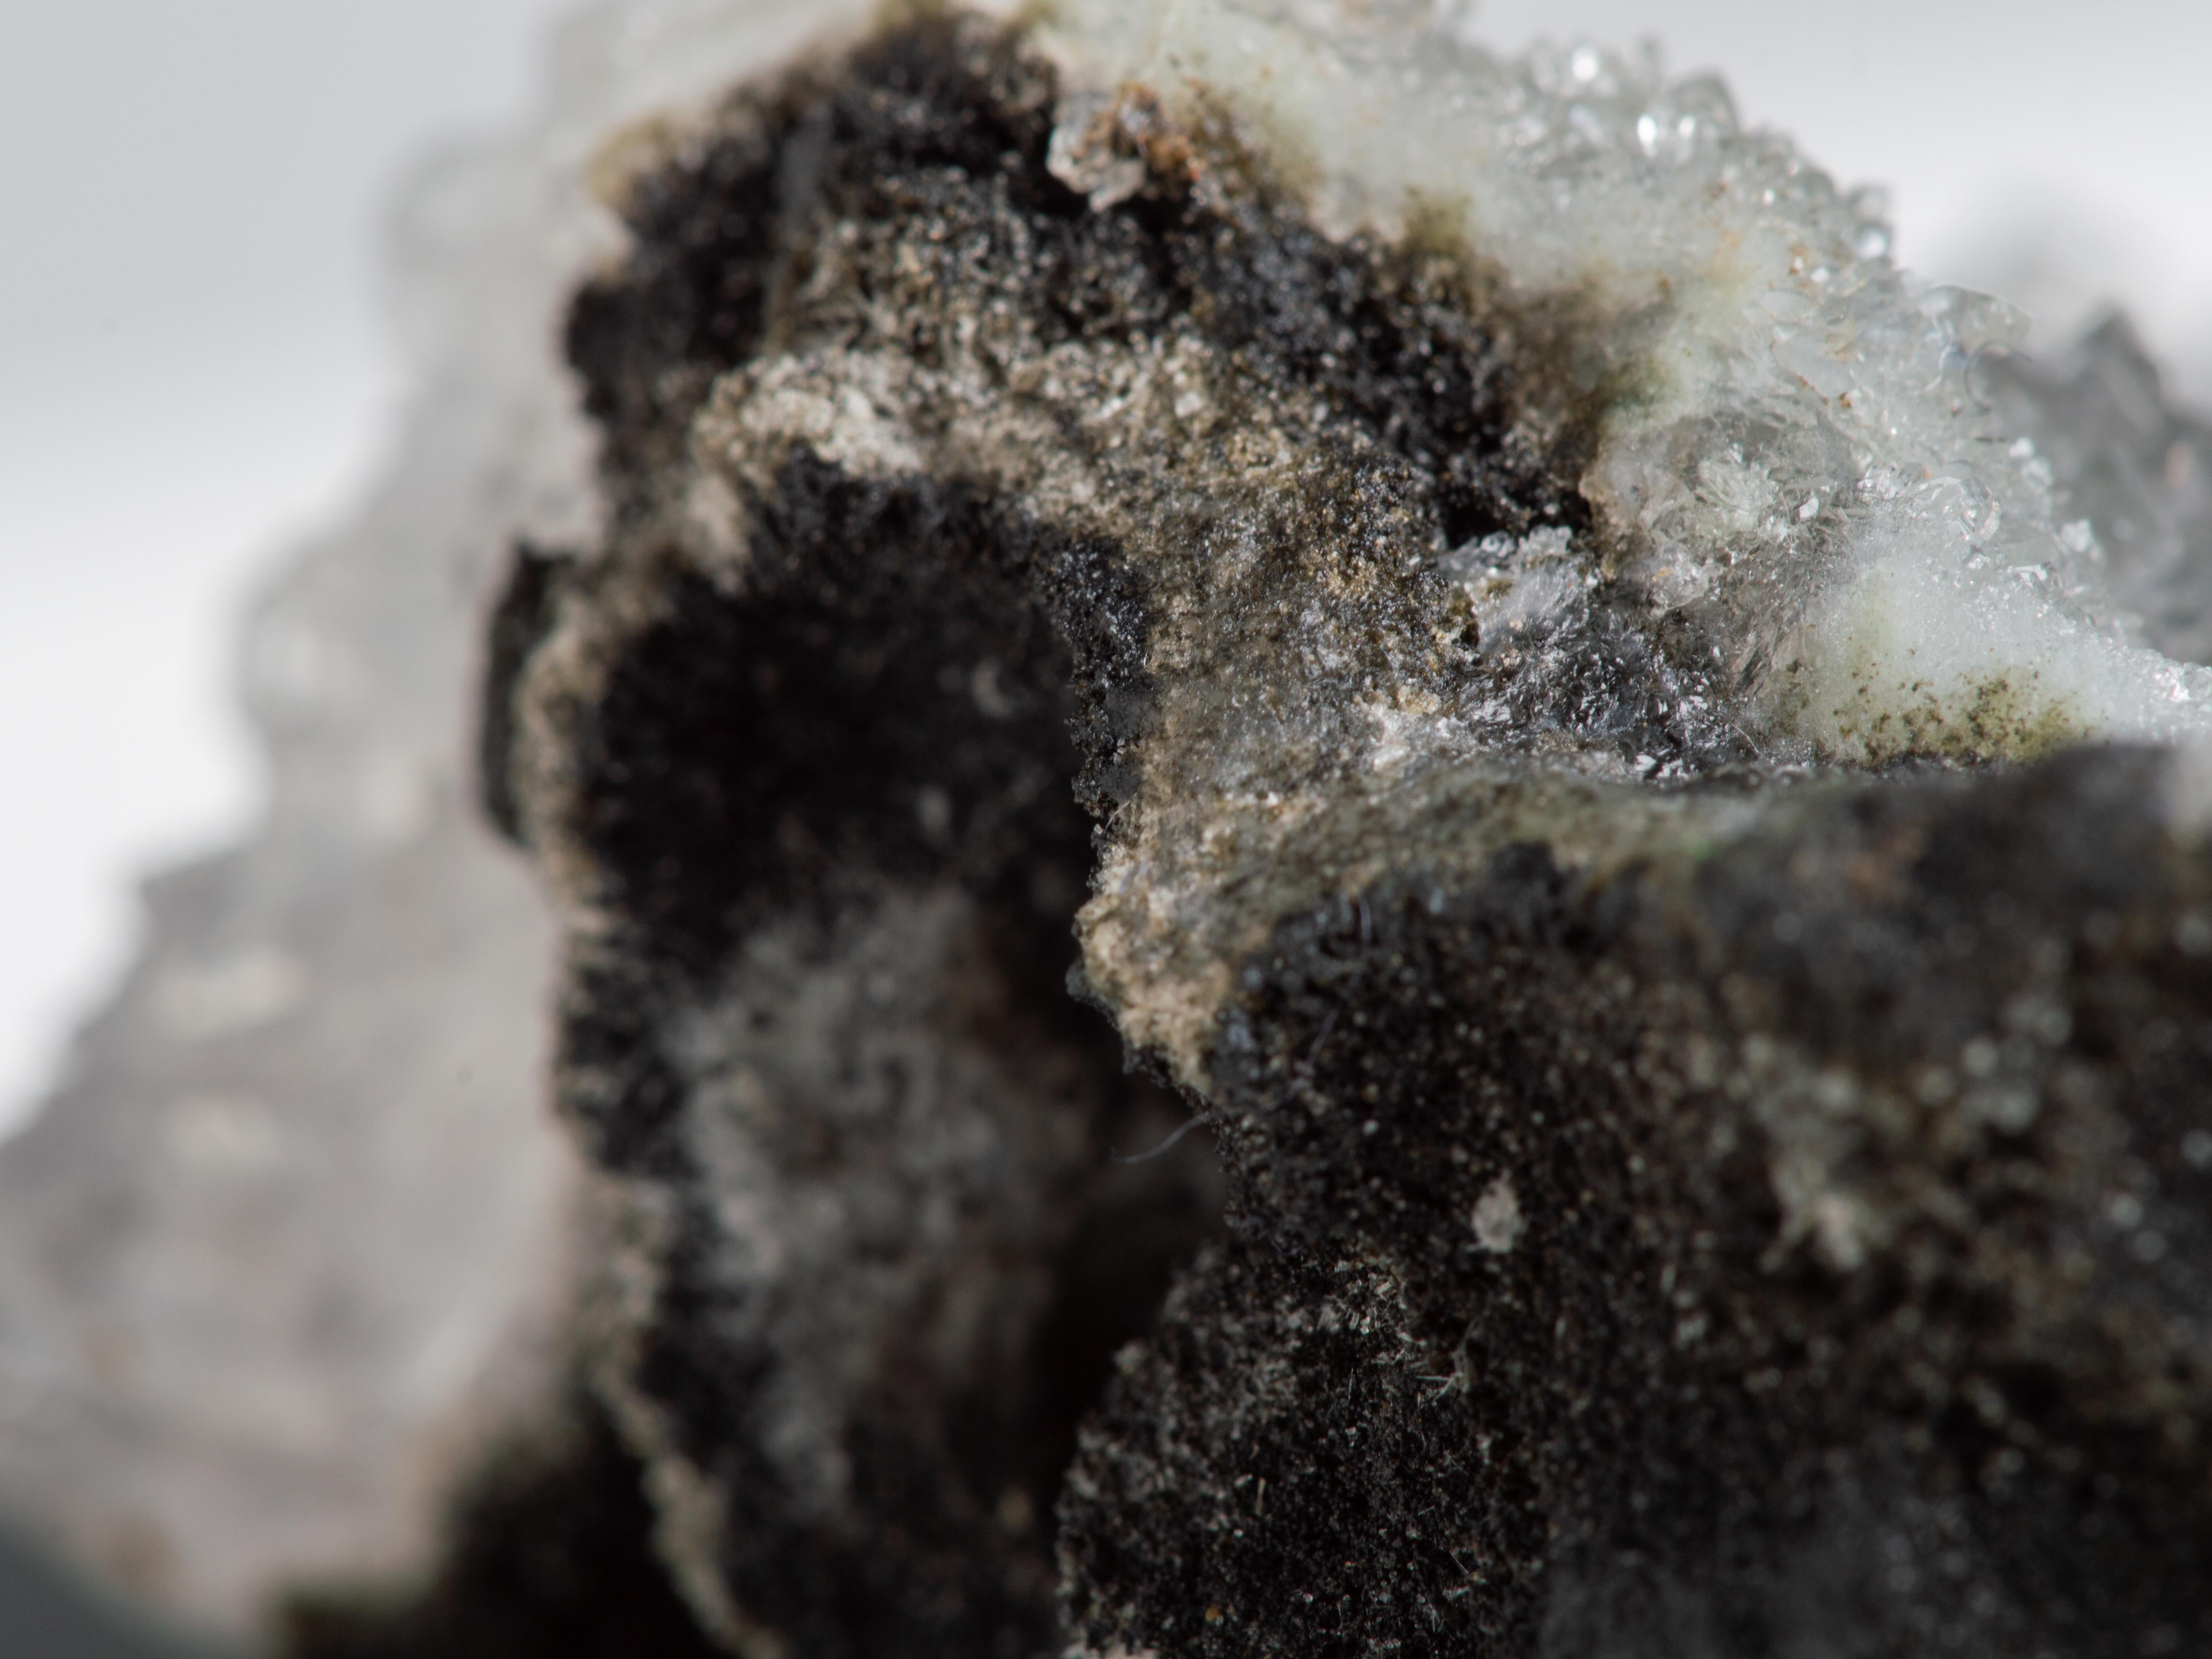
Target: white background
{"type": "Point", "coordinates": [191, 372]}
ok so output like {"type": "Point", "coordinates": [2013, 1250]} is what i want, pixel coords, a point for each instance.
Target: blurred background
{"type": "Point", "coordinates": [192, 373]}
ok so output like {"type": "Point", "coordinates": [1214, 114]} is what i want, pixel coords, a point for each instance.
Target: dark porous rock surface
{"type": "Point", "coordinates": [1012, 711]}
{"type": "Point", "coordinates": [1801, 1253]}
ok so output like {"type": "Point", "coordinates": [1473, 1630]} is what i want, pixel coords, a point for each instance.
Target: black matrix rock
{"type": "Point", "coordinates": [1691, 1162]}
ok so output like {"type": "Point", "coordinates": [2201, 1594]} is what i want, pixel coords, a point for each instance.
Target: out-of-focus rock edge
{"type": "Point", "coordinates": [293, 1235]}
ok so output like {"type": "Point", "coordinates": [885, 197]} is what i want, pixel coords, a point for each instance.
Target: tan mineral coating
{"type": "Point", "coordinates": [1238, 809]}
{"type": "Point", "coordinates": [1098, 437]}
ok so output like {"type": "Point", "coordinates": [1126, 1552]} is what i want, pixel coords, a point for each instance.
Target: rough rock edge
{"type": "Point", "coordinates": [166, 1479]}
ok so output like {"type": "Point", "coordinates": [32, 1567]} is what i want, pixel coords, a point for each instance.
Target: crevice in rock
{"type": "Point", "coordinates": [833, 820]}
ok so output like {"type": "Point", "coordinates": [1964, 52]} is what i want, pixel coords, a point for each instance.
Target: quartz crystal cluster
{"type": "Point", "coordinates": [1806, 462]}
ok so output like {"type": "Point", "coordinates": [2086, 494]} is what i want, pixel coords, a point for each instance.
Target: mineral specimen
{"type": "Point", "coordinates": [1567, 659]}
{"type": "Point", "coordinates": [1346, 862]}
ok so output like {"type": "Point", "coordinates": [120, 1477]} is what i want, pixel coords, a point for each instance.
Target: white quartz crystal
{"type": "Point", "coordinates": [1805, 447]}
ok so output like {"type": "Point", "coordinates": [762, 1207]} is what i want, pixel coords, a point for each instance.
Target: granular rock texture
{"type": "Point", "coordinates": [1802, 1252]}
{"type": "Point", "coordinates": [1051, 669]}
